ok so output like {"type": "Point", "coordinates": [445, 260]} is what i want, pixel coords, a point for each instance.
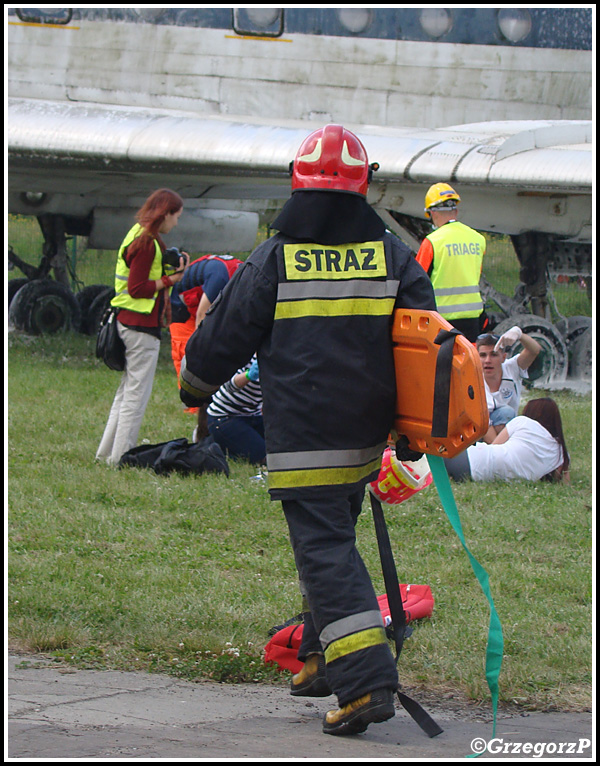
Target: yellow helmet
{"type": "Point", "coordinates": [441, 196]}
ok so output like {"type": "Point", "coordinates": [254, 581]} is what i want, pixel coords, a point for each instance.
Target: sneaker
{"type": "Point", "coordinates": [311, 681]}
{"type": "Point", "coordinates": [353, 718]}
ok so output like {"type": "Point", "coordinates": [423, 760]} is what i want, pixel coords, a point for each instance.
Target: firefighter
{"type": "Point", "coordinates": [452, 255]}
{"type": "Point", "coordinates": [315, 301]}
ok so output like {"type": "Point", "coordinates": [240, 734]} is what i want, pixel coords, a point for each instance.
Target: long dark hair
{"type": "Point", "coordinates": [547, 414]}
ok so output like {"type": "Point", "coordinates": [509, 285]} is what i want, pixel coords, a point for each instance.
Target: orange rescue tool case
{"type": "Point", "coordinates": [440, 395]}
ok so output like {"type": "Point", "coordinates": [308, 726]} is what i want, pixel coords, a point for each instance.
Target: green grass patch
{"type": "Point", "coordinates": [185, 575]}
{"type": "Point", "coordinates": [88, 266]}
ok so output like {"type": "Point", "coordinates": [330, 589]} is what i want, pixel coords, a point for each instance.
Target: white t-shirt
{"type": "Point", "coordinates": [530, 453]}
{"type": "Point", "coordinates": [510, 386]}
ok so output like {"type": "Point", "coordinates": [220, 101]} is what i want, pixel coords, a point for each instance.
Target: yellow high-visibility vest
{"type": "Point", "coordinates": [122, 298]}
{"type": "Point", "coordinates": [458, 256]}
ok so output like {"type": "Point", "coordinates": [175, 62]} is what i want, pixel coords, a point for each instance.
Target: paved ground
{"type": "Point", "coordinates": [58, 713]}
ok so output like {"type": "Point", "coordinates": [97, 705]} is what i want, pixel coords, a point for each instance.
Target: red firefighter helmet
{"type": "Point", "coordinates": [332, 158]}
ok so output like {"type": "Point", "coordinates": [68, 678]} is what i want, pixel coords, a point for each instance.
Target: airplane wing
{"type": "Point", "coordinates": [98, 163]}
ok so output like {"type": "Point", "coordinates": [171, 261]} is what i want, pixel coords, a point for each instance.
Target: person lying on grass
{"type": "Point", "coordinates": [531, 446]}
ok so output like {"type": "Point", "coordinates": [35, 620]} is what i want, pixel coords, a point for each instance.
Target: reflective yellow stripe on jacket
{"type": "Point", "coordinates": [322, 467]}
{"type": "Point", "coordinates": [335, 281]}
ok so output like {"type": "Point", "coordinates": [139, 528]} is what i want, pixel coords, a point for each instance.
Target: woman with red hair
{"type": "Point", "coordinates": [141, 297]}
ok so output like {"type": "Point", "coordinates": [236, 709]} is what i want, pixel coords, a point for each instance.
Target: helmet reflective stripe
{"type": "Point", "coordinates": [347, 159]}
{"type": "Point", "coordinates": [313, 156]}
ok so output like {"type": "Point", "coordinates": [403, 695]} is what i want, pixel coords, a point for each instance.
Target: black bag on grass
{"type": "Point", "coordinates": [178, 455]}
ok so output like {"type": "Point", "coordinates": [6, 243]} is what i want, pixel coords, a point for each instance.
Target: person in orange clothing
{"type": "Point", "coordinates": [190, 300]}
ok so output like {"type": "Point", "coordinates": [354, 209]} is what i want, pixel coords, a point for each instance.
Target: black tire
{"type": "Point", "coordinates": [44, 306]}
{"type": "Point", "coordinates": [85, 298]}
{"type": "Point", "coordinates": [552, 363]}
{"type": "Point", "coordinates": [572, 327]}
{"type": "Point", "coordinates": [581, 361]}
{"type": "Point", "coordinates": [96, 311]}
{"type": "Point", "coordinates": [14, 285]}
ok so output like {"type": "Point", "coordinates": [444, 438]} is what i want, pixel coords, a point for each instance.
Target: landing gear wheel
{"type": "Point", "coordinates": [44, 306]}
{"type": "Point", "coordinates": [85, 298]}
{"type": "Point", "coordinates": [97, 308]}
{"type": "Point", "coordinates": [552, 363]}
{"type": "Point", "coordinates": [14, 285]}
{"type": "Point", "coordinates": [572, 329]}
{"type": "Point", "coordinates": [581, 361]}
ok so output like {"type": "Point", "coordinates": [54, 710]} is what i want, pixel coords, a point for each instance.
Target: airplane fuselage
{"type": "Point", "coordinates": [306, 65]}
{"type": "Point", "coordinates": [107, 104]}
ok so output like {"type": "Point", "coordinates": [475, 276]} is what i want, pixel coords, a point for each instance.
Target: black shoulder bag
{"type": "Point", "coordinates": [109, 346]}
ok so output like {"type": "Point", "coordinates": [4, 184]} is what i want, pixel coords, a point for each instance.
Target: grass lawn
{"type": "Point", "coordinates": [185, 575]}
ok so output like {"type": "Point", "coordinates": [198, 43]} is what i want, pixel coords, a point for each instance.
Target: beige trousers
{"type": "Point", "coordinates": [130, 402]}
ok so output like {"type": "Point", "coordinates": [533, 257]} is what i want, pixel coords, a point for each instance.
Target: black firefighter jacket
{"type": "Point", "coordinates": [319, 317]}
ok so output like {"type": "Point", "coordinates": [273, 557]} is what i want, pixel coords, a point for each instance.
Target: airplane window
{"type": "Point", "coordinates": [258, 21]}
{"type": "Point", "coordinates": [45, 15]}
{"type": "Point", "coordinates": [514, 23]}
{"type": "Point", "coordinates": [436, 22]}
{"type": "Point", "coordinates": [355, 19]}
{"type": "Point", "coordinates": [263, 17]}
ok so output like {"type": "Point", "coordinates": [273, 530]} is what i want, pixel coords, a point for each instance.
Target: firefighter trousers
{"type": "Point", "coordinates": [344, 621]}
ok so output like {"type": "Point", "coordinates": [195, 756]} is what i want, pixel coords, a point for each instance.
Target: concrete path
{"type": "Point", "coordinates": [59, 713]}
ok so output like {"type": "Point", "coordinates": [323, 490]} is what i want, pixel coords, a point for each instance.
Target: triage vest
{"type": "Point", "coordinates": [458, 256]}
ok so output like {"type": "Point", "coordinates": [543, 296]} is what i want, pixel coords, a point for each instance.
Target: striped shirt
{"type": "Point", "coordinates": [231, 401]}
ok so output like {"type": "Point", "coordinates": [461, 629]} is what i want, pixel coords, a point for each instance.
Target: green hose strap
{"type": "Point", "coordinates": [495, 645]}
